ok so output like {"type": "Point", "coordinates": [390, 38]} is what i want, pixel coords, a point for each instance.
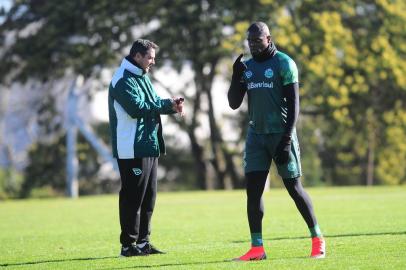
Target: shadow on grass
{"type": "Point", "coordinates": [329, 236]}
{"type": "Point", "coordinates": [56, 261]}
{"type": "Point", "coordinates": [194, 263]}
{"type": "Point", "coordinates": [111, 257]}
{"type": "Point", "coordinates": [168, 265]}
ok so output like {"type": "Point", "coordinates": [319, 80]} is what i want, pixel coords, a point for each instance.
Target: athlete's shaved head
{"type": "Point", "coordinates": [260, 28]}
{"type": "Point", "coordinates": [258, 38]}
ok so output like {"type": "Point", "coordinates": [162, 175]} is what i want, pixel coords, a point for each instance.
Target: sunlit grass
{"type": "Point", "coordinates": [365, 228]}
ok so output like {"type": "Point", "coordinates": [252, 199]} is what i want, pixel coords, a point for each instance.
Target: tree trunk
{"type": "Point", "coordinates": [234, 180]}
{"type": "Point", "coordinates": [204, 82]}
{"type": "Point", "coordinates": [203, 181]}
{"type": "Point", "coordinates": [371, 157]}
{"type": "Point", "coordinates": [200, 165]}
{"type": "Point", "coordinates": [216, 142]}
{"type": "Point", "coordinates": [3, 145]}
{"type": "Point", "coordinates": [222, 161]}
{"type": "Point", "coordinates": [72, 186]}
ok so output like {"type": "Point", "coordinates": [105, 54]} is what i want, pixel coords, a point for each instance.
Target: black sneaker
{"type": "Point", "coordinates": [130, 251]}
{"type": "Point", "coordinates": [150, 249]}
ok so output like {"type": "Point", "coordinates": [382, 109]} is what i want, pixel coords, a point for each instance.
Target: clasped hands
{"type": "Point", "coordinates": [178, 105]}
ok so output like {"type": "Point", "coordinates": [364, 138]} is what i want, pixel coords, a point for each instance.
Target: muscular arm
{"type": "Point", "coordinates": [291, 93]}
{"type": "Point", "coordinates": [236, 93]}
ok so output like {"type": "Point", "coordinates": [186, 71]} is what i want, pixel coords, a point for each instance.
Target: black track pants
{"type": "Point", "coordinates": [137, 198]}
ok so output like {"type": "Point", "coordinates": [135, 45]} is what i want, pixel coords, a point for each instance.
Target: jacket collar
{"type": "Point", "coordinates": [125, 64]}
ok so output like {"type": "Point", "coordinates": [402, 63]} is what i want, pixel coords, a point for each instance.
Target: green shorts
{"type": "Point", "coordinates": [260, 150]}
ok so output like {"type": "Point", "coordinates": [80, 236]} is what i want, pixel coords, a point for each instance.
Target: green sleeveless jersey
{"type": "Point", "coordinates": [264, 80]}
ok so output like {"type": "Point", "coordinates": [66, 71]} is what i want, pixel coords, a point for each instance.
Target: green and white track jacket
{"type": "Point", "coordinates": [134, 114]}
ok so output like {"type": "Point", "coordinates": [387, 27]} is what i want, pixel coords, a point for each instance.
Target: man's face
{"type": "Point", "coordinates": [146, 61]}
{"type": "Point", "coordinates": [258, 42]}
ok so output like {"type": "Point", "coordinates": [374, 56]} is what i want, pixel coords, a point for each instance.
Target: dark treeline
{"type": "Point", "coordinates": [351, 59]}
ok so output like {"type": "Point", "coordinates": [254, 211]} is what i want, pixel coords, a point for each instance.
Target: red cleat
{"type": "Point", "coordinates": [318, 248]}
{"type": "Point", "coordinates": [254, 254]}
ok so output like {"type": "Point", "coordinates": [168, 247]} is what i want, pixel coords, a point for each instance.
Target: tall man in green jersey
{"type": "Point", "coordinates": [270, 79]}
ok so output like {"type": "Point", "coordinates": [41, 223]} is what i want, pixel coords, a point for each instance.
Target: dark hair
{"type": "Point", "coordinates": [142, 46]}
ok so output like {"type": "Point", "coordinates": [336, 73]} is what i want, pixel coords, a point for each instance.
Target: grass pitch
{"type": "Point", "coordinates": [365, 228]}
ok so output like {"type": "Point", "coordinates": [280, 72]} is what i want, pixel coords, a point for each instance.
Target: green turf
{"type": "Point", "coordinates": [365, 228]}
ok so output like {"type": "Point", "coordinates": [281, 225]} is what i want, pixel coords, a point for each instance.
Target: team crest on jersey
{"type": "Point", "coordinates": [248, 74]}
{"type": "Point", "coordinates": [269, 73]}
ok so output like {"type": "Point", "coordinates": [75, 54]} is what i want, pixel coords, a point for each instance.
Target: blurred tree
{"type": "Point", "coordinates": [351, 56]}
{"type": "Point", "coordinates": [10, 183]}
{"type": "Point", "coordinates": [198, 32]}
{"type": "Point", "coordinates": [54, 39]}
